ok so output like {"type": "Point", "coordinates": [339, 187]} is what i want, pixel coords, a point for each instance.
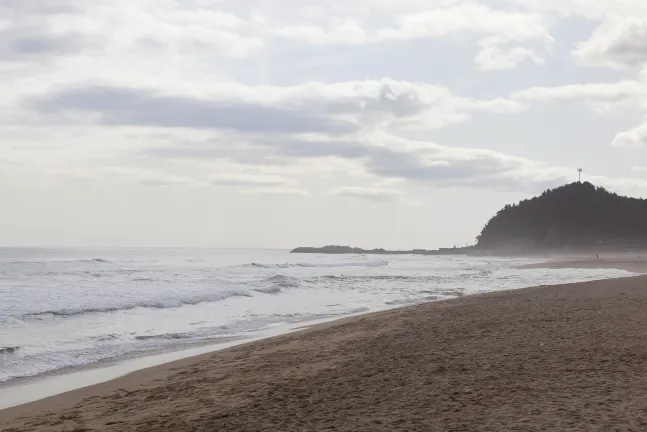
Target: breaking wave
{"type": "Point", "coordinates": [405, 278]}
{"type": "Point", "coordinates": [93, 260]}
{"type": "Point", "coordinates": [166, 336]}
{"type": "Point", "coordinates": [382, 263]}
{"type": "Point", "coordinates": [269, 290]}
{"type": "Point", "coordinates": [161, 304]}
{"type": "Point", "coordinates": [278, 283]}
{"type": "Point", "coordinates": [284, 281]}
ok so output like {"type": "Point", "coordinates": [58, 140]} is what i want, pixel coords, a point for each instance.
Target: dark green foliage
{"type": "Point", "coordinates": [574, 215]}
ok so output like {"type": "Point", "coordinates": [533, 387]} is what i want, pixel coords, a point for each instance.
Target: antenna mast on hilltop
{"type": "Point", "coordinates": [579, 175]}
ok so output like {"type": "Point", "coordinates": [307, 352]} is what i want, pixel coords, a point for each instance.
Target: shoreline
{"type": "Point", "coordinates": [28, 390]}
{"type": "Point", "coordinates": [126, 371]}
{"type": "Point", "coordinates": [638, 265]}
{"type": "Point", "coordinates": [353, 349]}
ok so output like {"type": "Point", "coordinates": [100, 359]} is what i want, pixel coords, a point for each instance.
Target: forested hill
{"type": "Point", "coordinates": [574, 215]}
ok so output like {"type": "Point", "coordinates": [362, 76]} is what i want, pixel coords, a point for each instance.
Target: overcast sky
{"type": "Point", "coordinates": [279, 123]}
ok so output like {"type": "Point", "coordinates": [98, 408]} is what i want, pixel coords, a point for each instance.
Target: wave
{"type": "Point", "coordinates": [269, 290]}
{"type": "Point", "coordinates": [278, 283]}
{"type": "Point", "coordinates": [350, 264]}
{"type": "Point", "coordinates": [105, 338]}
{"type": "Point", "coordinates": [162, 304]}
{"type": "Point", "coordinates": [405, 278]}
{"type": "Point", "coordinates": [401, 302]}
{"type": "Point", "coordinates": [269, 266]}
{"type": "Point", "coordinates": [389, 278]}
{"type": "Point", "coordinates": [93, 260]}
{"type": "Point", "coordinates": [382, 263]}
{"type": "Point", "coordinates": [164, 336]}
{"type": "Point", "coordinates": [372, 277]}
{"type": "Point", "coordinates": [284, 281]}
{"type": "Point", "coordinates": [9, 350]}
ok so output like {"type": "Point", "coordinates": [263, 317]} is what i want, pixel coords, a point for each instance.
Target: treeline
{"type": "Point", "coordinates": [577, 214]}
{"type": "Point", "coordinates": [336, 249]}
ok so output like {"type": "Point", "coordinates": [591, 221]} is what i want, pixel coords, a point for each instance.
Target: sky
{"type": "Point", "coordinates": [284, 123]}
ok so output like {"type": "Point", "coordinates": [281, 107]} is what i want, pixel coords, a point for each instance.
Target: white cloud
{"type": "Point", "coordinates": [495, 55]}
{"type": "Point", "coordinates": [633, 138]}
{"type": "Point", "coordinates": [144, 176]}
{"type": "Point", "coordinates": [584, 8]}
{"type": "Point", "coordinates": [468, 16]}
{"type": "Point", "coordinates": [499, 27]}
{"type": "Point", "coordinates": [44, 33]}
{"type": "Point", "coordinates": [618, 42]}
{"type": "Point", "coordinates": [600, 98]}
{"type": "Point", "coordinates": [434, 21]}
{"type": "Point", "coordinates": [277, 191]}
{"type": "Point", "coordinates": [337, 109]}
{"type": "Point", "coordinates": [591, 92]}
{"type": "Point", "coordinates": [346, 32]}
{"type": "Point", "coordinates": [247, 179]}
{"type": "Point", "coordinates": [367, 193]}
{"type": "Point", "coordinates": [233, 102]}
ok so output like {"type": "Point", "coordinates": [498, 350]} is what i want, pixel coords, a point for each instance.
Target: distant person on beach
{"type": "Point", "coordinates": [597, 256]}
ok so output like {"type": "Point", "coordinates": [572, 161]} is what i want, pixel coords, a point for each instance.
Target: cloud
{"type": "Point", "coordinates": [29, 33]}
{"type": "Point", "coordinates": [138, 107]}
{"type": "Point", "coordinates": [65, 27]}
{"type": "Point", "coordinates": [333, 109]}
{"type": "Point", "coordinates": [617, 43]}
{"type": "Point", "coordinates": [598, 10]}
{"type": "Point", "coordinates": [470, 17]}
{"type": "Point", "coordinates": [633, 138]}
{"type": "Point", "coordinates": [387, 157]}
{"type": "Point", "coordinates": [601, 98]}
{"type": "Point", "coordinates": [252, 183]}
{"type": "Point", "coordinates": [346, 32]}
{"type": "Point", "coordinates": [590, 92]}
{"type": "Point", "coordinates": [495, 55]}
{"type": "Point", "coordinates": [242, 29]}
{"type": "Point", "coordinates": [247, 179]}
{"type": "Point", "coordinates": [431, 22]}
{"type": "Point", "coordinates": [367, 193]}
{"type": "Point", "coordinates": [144, 176]}
{"type": "Point", "coordinates": [277, 191]}
{"type": "Point", "coordinates": [14, 45]}
{"type": "Point", "coordinates": [455, 19]}
{"type": "Point", "coordinates": [244, 120]}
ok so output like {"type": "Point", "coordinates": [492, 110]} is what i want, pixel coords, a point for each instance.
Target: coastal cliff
{"type": "Point", "coordinates": [573, 216]}
{"type": "Point", "coordinates": [576, 216]}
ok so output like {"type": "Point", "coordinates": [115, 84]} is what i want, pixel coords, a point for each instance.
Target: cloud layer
{"type": "Point", "coordinates": [371, 102]}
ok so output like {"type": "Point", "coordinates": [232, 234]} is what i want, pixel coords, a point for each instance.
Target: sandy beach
{"type": "Point", "coordinates": [567, 357]}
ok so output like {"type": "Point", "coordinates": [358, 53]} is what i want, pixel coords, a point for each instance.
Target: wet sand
{"type": "Point", "coordinates": [567, 357]}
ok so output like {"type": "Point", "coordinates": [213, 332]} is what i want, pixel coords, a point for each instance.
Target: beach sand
{"type": "Point", "coordinates": [562, 358]}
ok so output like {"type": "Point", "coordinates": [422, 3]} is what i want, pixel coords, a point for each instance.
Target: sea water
{"type": "Point", "coordinates": [61, 309]}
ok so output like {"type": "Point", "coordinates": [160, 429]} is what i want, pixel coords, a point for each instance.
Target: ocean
{"type": "Point", "coordinates": [66, 308]}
